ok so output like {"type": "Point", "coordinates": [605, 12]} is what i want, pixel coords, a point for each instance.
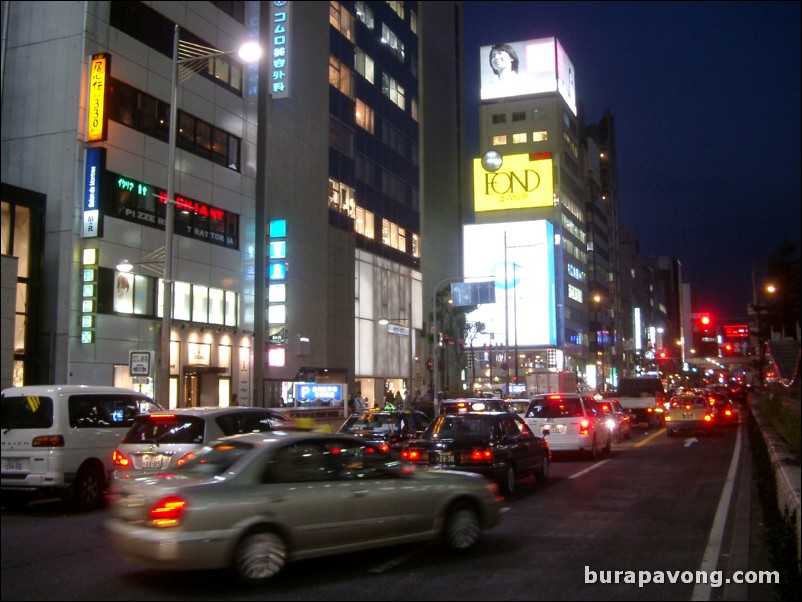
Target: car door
{"type": "Point", "coordinates": [532, 447]}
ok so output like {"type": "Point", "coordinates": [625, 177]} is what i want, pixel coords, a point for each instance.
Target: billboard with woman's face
{"type": "Point", "coordinates": [529, 67]}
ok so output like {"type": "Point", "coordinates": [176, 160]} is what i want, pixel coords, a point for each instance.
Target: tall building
{"type": "Point", "coordinates": [299, 184]}
{"type": "Point", "coordinates": [526, 229]}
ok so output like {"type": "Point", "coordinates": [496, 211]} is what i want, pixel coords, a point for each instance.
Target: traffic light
{"type": "Point", "coordinates": [705, 340]}
{"type": "Point", "coordinates": [662, 355]}
{"type": "Point", "coordinates": [429, 365]}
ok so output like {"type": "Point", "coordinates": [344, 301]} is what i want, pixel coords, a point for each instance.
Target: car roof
{"type": "Point", "coordinates": [472, 399]}
{"type": "Point", "coordinates": [65, 389]}
{"type": "Point", "coordinates": [217, 410]}
{"type": "Point", "coordinates": [271, 437]}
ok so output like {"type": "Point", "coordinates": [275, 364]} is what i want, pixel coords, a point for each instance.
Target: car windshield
{"type": "Point", "coordinates": [554, 408]}
{"type": "Point", "coordinates": [459, 425]}
{"type": "Point", "coordinates": [214, 459]}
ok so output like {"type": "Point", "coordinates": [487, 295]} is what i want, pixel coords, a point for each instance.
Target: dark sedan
{"type": "Point", "coordinates": [498, 445]}
{"type": "Point", "coordinates": [390, 429]}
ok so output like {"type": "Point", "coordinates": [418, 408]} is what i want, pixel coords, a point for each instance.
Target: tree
{"type": "Point", "coordinates": [473, 330]}
{"type": "Point", "coordinates": [782, 309]}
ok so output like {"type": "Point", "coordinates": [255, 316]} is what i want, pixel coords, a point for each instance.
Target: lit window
{"type": "Point", "coordinates": [363, 116]}
{"type": "Point", "coordinates": [499, 140]}
{"type": "Point", "coordinates": [519, 138]}
{"type": "Point", "coordinates": [541, 136]}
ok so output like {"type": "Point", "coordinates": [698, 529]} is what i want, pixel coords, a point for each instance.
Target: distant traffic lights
{"type": "Point", "coordinates": [662, 354]}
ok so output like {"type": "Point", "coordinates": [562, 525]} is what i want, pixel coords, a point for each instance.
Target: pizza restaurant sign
{"type": "Point", "coordinates": [523, 181]}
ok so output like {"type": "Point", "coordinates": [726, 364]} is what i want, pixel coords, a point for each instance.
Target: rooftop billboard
{"type": "Point", "coordinates": [529, 67]}
{"type": "Point", "coordinates": [523, 181]}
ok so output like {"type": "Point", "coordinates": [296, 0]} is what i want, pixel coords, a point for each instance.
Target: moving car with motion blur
{"type": "Point", "coordinates": [689, 413]}
{"type": "Point", "coordinates": [251, 503]}
{"type": "Point", "coordinates": [498, 445]}
{"type": "Point", "coordinates": [573, 421]}
{"type": "Point", "coordinates": [388, 429]}
{"type": "Point", "coordinates": [164, 440]}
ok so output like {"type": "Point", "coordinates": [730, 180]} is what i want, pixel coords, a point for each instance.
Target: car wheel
{"type": "Point", "coordinates": [462, 527]}
{"type": "Point", "coordinates": [542, 472]}
{"type": "Point", "coordinates": [259, 556]}
{"type": "Point", "coordinates": [628, 434]}
{"type": "Point", "coordinates": [86, 491]}
{"type": "Point", "coordinates": [510, 481]}
{"type": "Point", "coordinates": [607, 448]}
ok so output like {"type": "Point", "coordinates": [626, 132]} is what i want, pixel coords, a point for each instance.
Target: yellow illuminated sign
{"type": "Point", "coordinates": [522, 182]}
{"type": "Point", "coordinates": [96, 121]}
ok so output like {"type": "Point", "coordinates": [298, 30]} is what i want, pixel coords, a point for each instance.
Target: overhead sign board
{"type": "Point", "coordinates": [473, 293]}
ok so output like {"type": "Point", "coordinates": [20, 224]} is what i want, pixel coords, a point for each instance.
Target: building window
{"type": "Point", "coordinates": [363, 65]}
{"type": "Point", "coordinates": [365, 14]}
{"type": "Point", "coordinates": [340, 77]}
{"type": "Point", "coordinates": [499, 118]}
{"type": "Point", "coordinates": [519, 138]}
{"type": "Point", "coordinates": [519, 116]}
{"type": "Point", "coordinates": [150, 116]}
{"type": "Point", "coordinates": [363, 224]}
{"type": "Point", "coordinates": [341, 19]}
{"type": "Point", "coordinates": [363, 116]}
{"type": "Point", "coordinates": [391, 40]}
{"type": "Point", "coordinates": [342, 198]}
{"type": "Point", "coordinates": [499, 140]}
{"type": "Point", "coordinates": [398, 7]}
{"type": "Point", "coordinates": [416, 246]}
{"type": "Point", "coordinates": [413, 22]}
{"type": "Point", "coordinates": [392, 90]}
{"type": "Point", "coordinates": [540, 136]}
{"type": "Point", "coordinates": [341, 138]}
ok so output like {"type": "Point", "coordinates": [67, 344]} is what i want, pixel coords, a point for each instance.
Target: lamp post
{"type": "Point", "coordinates": [192, 57]}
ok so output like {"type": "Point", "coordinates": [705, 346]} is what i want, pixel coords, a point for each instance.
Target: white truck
{"type": "Point", "coordinates": [551, 382]}
{"type": "Point", "coordinates": [642, 397]}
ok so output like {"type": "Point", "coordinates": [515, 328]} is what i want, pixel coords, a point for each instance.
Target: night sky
{"type": "Point", "coordinates": [706, 98]}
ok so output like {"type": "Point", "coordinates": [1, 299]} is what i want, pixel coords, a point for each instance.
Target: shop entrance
{"type": "Point", "coordinates": [202, 386]}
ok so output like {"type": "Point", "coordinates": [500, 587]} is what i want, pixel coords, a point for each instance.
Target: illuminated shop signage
{"type": "Point", "coordinates": [311, 392]}
{"type": "Point", "coordinates": [95, 159]}
{"type": "Point", "coordinates": [523, 181]}
{"type": "Point", "coordinates": [141, 203]}
{"type": "Point", "coordinates": [279, 69]}
{"type": "Point", "coordinates": [89, 275]}
{"type": "Point", "coordinates": [97, 119]}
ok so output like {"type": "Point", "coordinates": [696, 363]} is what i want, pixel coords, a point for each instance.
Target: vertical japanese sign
{"type": "Point", "coordinates": [94, 166]}
{"type": "Point", "coordinates": [279, 49]}
{"type": "Point", "coordinates": [96, 111]}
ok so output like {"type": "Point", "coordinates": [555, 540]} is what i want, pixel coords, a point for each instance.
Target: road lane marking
{"type": "Point", "coordinates": [649, 438]}
{"type": "Point", "coordinates": [588, 469]}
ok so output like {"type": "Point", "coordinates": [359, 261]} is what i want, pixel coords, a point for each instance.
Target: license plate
{"type": "Point", "coordinates": [152, 461]}
{"type": "Point", "coordinates": [10, 464]}
{"type": "Point", "coordinates": [444, 458]}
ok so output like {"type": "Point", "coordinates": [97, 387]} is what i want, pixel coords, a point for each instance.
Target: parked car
{"type": "Point", "coordinates": [574, 423]}
{"type": "Point", "coordinates": [58, 439]}
{"type": "Point", "coordinates": [163, 440]}
{"type": "Point", "coordinates": [498, 445]}
{"type": "Point", "coordinates": [389, 430]}
{"type": "Point", "coordinates": [689, 413]}
{"type": "Point", "coordinates": [254, 502]}
{"type": "Point", "coordinates": [473, 404]}
{"type": "Point", "coordinates": [618, 419]}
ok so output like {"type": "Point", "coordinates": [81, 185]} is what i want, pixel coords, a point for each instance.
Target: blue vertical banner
{"type": "Point", "coordinates": [95, 160]}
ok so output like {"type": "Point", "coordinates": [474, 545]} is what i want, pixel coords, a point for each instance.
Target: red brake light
{"type": "Point", "coordinates": [162, 418]}
{"type": "Point", "coordinates": [411, 455]}
{"type": "Point", "coordinates": [185, 458]}
{"type": "Point", "coordinates": [479, 455]}
{"type": "Point", "coordinates": [167, 512]}
{"type": "Point", "coordinates": [120, 459]}
{"type": "Point", "coordinates": [584, 426]}
{"type": "Point", "coordinates": [384, 447]}
{"type": "Point", "coordinates": [48, 441]}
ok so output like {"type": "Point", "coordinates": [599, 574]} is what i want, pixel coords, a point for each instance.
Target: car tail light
{"type": "Point", "coordinates": [494, 491]}
{"type": "Point", "coordinates": [48, 441]}
{"type": "Point", "coordinates": [413, 455]}
{"type": "Point", "coordinates": [119, 459]}
{"type": "Point", "coordinates": [477, 456]}
{"type": "Point", "coordinates": [384, 447]}
{"type": "Point", "coordinates": [185, 458]}
{"type": "Point", "coordinates": [162, 418]}
{"type": "Point", "coordinates": [708, 417]}
{"type": "Point", "coordinates": [167, 512]}
{"type": "Point", "coordinates": [584, 426]}
{"type": "Point", "coordinates": [668, 418]}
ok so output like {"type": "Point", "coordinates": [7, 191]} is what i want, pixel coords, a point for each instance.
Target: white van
{"type": "Point", "coordinates": [60, 439]}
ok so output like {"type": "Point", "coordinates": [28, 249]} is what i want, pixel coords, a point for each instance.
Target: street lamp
{"type": "Point", "coordinates": [191, 58]}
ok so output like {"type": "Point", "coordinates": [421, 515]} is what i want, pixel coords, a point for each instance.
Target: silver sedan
{"type": "Point", "coordinates": [253, 502]}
